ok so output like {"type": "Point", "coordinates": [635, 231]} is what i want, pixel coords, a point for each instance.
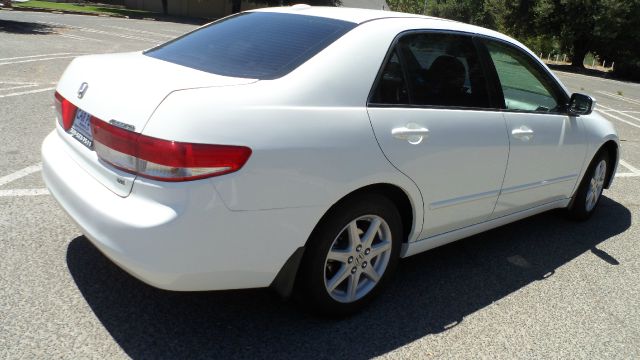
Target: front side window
{"type": "Point", "coordinates": [524, 85]}
{"type": "Point", "coordinates": [439, 70]}
{"type": "Point", "coordinates": [253, 45]}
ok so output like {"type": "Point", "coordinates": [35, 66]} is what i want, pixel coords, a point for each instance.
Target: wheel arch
{"type": "Point", "coordinates": [613, 153]}
{"type": "Point", "coordinates": [286, 278]}
{"type": "Point", "coordinates": [392, 192]}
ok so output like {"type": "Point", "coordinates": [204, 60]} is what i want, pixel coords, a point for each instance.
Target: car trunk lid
{"type": "Point", "coordinates": [124, 90]}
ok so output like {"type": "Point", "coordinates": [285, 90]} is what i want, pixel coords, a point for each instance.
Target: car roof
{"type": "Point", "coordinates": [360, 16]}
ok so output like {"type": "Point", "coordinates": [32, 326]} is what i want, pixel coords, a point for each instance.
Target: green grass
{"type": "Point", "coordinates": [92, 9]}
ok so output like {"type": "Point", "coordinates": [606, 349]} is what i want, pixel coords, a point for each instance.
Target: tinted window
{"type": "Point", "coordinates": [253, 45]}
{"type": "Point", "coordinates": [391, 88]}
{"type": "Point", "coordinates": [440, 69]}
{"type": "Point", "coordinates": [524, 85]}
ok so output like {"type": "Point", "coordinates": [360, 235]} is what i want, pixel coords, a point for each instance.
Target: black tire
{"type": "Point", "coordinates": [312, 283]}
{"type": "Point", "coordinates": [579, 209]}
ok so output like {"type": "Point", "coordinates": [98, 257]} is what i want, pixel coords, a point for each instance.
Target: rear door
{"type": "Point", "coordinates": [431, 113]}
{"type": "Point", "coordinates": [547, 146]}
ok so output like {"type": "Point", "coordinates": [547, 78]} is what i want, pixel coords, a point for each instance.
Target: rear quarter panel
{"type": "Point", "coordinates": [309, 131]}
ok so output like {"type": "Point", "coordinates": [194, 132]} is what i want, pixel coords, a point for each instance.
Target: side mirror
{"type": "Point", "coordinates": [580, 104]}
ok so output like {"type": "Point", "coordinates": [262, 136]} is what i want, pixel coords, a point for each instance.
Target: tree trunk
{"type": "Point", "coordinates": [236, 6]}
{"type": "Point", "coordinates": [580, 50]}
{"type": "Point", "coordinates": [7, 3]}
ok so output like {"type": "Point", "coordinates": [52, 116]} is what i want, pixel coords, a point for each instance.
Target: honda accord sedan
{"type": "Point", "coordinates": [310, 148]}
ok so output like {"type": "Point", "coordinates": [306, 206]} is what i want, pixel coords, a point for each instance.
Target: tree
{"type": "Point", "coordinates": [237, 4]}
{"type": "Point", "coordinates": [604, 27]}
{"type": "Point", "coordinates": [468, 11]}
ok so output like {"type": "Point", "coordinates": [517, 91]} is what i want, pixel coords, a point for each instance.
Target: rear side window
{"type": "Point", "coordinates": [253, 45]}
{"type": "Point", "coordinates": [439, 69]}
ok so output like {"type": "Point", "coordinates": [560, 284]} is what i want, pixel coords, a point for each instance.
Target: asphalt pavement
{"type": "Point", "coordinates": [543, 287]}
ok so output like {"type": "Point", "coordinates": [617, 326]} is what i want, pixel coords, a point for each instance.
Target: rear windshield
{"type": "Point", "coordinates": [253, 45]}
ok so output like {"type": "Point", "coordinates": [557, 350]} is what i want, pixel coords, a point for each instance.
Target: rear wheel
{"type": "Point", "coordinates": [351, 255]}
{"type": "Point", "coordinates": [590, 190]}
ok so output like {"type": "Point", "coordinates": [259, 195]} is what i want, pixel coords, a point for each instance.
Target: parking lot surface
{"type": "Point", "coordinates": [543, 287]}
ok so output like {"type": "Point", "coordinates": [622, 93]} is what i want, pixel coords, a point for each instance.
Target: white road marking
{"type": "Point", "coordinates": [620, 97]}
{"type": "Point", "coordinates": [20, 174]}
{"type": "Point", "coordinates": [617, 118]}
{"type": "Point", "coordinates": [629, 166]}
{"type": "Point", "coordinates": [78, 37]}
{"type": "Point", "coordinates": [621, 113]}
{"type": "Point", "coordinates": [34, 56]}
{"type": "Point", "coordinates": [627, 175]}
{"type": "Point", "coordinates": [43, 59]}
{"type": "Point", "coordinates": [141, 31]}
{"type": "Point", "coordinates": [634, 171]}
{"type": "Point", "coordinates": [23, 192]}
{"type": "Point", "coordinates": [95, 31]}
{"type": "Point", "coordinates": [28, 92]}
{"type": "Point", "coordinates": [18, 87]}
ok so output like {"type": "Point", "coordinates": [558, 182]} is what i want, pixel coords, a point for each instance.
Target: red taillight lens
{"type": "Point", "coordinates": [163, 159]}
{"type": "Point", "coordinates": [66, 111]}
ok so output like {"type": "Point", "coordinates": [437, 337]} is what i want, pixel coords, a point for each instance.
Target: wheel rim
{"type": "Point", "coordinates": [596, 184]}
{"type": "Point", "coordinates": [357, 258]}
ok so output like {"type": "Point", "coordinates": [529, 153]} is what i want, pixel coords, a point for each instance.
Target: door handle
{"type": "Point", "coordinates": [412, 132]}
{"type": "Point", "coordinates": [523, 133]}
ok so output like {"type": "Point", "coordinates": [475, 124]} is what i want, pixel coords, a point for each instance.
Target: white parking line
{"type": "Point", "coordinates": [40, 59]}
{"type": "Point", "coordinates": [628, 166]}
{"type": "Point", "coordinates": [634, 171]}
{"type": "Point", "coordinates": [620, 97]}
{"type": "Point", "coordinates": [18, 87]}
{"type": "Point", "coordinates": [95, 31]}
{"type": "Point", "coordinates": [617, 118]}
{"type": "Point", "coordinates": [20, 174]}
{"type": "Point", "coordinates": [23, 192]}
{"type": "Point", "coordinates": [33, 56]}
{"type": "Point", "coordinates": [625, 113]}
{"type": "Point", "coordinates": [140, 31]}
{"type": "Point", "coordinates": [78, 37]}
{"type": "Point", "coordinates": [27, 92]}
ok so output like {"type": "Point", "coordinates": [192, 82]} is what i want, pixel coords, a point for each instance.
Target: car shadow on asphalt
{"type": "Point", "coordinates": [431, 293]}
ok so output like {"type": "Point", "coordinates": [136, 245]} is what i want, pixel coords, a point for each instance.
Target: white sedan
{"type": "Point", "coordinates": [309, 148]}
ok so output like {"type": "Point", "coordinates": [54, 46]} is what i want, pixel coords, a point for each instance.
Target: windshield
{"type": "Point", "coordinates": [253, 45]}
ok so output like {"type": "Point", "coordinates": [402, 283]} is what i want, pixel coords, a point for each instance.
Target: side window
{"type": "Point", "coordinates": [391, 88]}
{"type": "Point", "coordinates": [444, 70]}
{"type": "Point", "coordinates": [439, 70]}
{"type": "Point", "coordinates": [524, 86]}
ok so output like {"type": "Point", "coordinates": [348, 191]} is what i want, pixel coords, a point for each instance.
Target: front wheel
{"type": "Point", "coordinates": [351, 255]}
{"type": "Point", "coordinates": [590, 190]}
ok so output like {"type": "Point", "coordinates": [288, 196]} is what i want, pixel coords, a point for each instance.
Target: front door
{"type": "Point", "coordinates": [546, 145]}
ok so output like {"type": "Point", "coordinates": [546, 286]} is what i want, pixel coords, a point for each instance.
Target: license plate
{"type": "Point", "coordinates": [81, 129]}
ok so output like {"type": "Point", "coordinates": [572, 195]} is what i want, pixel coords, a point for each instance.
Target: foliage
{"type": "Point", "coordinates": [608, 28]}
{"type": "Point", "coordinates": [407, 6]}
{"type": "Point", "coordinates": [88, 8]}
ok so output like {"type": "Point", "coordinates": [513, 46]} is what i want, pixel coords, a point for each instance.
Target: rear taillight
{"type": "Point", "coordinates": [65, 111]}
{"type": "Point", "coordinates": [164, 160]}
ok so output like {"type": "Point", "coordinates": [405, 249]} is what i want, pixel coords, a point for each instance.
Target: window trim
{"type": "Point", "coordinates": [557, 88]}
{"type": "Point", "coordinates": [494, 100]}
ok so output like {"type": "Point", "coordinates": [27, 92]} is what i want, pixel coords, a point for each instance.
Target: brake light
{"type": "Point", "coordinates": [65, 110]}
{"type": "Point", "coordinates": [164, 160]}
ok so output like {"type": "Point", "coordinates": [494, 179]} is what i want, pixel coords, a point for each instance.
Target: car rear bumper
{"type": "Point", "coordinates": [176, 236]}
